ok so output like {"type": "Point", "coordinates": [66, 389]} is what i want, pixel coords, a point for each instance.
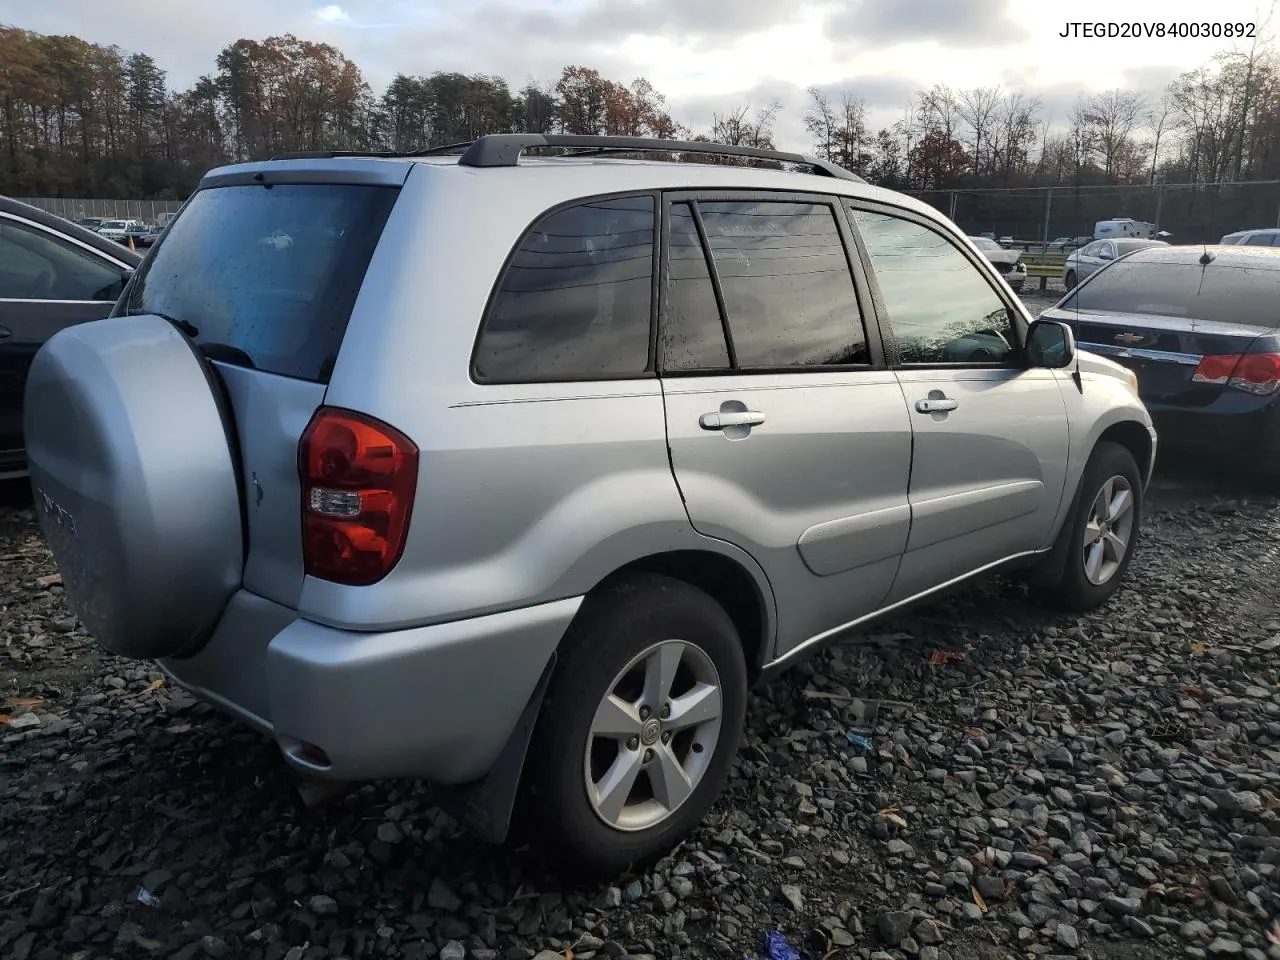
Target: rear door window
{"type": "Point", "coordinates": [266, 276]}
{"type": "Point", "coordinates": [1219, 292]}
{"type": "Point", "coordinates": [781, 274]}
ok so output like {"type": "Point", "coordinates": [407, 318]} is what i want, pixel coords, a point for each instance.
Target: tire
{"type": "Point", "coordinates": [1069, 280]}
{"type": "Point", "coordinates": [613, 629]}
{"type": "Point", "coordinates": [1074, 589]}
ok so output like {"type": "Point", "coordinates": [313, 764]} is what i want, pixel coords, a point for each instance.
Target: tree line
{"type": "Point", "coordinates": [83, 119]}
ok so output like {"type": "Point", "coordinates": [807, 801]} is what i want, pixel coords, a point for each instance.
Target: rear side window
{"type": "Point", "coordinates": [267, 276]}
{"type": "Point", "coordinates": [575, 302]}
{"type": "Point", "coordinates": [1218, 291]}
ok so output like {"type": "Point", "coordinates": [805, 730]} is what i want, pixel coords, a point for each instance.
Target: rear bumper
{"type": "Point", "coordinates": [436, 702]}
{"type": "Point", "coordinates": [1234, 425]}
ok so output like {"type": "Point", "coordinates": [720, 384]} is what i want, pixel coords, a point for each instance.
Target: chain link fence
{"type": "Point", "coordinates": [146, 210]}
{"type": "Point", "coordinates": [1192, 213]}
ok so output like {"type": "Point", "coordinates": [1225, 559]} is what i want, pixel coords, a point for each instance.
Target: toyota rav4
{"type": "Point", "coordinates": [515, 472]}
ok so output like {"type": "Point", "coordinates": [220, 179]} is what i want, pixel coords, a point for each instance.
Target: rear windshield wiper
{"type": "Point", "coordinates": [226, 353]}
{"type": "Point", "coordinates": [212, 350]}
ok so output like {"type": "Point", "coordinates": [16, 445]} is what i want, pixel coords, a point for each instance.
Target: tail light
{"type": "Point", "coordinates": [1256, 373]}
{"type": "Point", "coordinates": [358, 480]}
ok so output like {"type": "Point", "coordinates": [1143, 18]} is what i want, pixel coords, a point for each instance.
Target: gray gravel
{"type": "Point", "coordinates": [1036, 785]}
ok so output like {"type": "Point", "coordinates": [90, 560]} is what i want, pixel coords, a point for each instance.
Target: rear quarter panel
{"type": "Point", "coordinates": [527, 493]}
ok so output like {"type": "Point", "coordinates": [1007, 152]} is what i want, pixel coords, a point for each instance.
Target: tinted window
{"type": "Point", "coordinates": [575, 302]}
{"type": "Point", "coordinates": [1259, 240]}
{"type": "Point", "coordinates": [1234, 294]}
{"type": "Point", "coordinates": [692, 331]}
{"type": "Point", "coordinates": [37, 265]}
{"type": "Point", "coordinates": [786, 283]}
{"type": "Point", "coordinates": [940, 308]}
{"type": "Point", "coordinates": [272, 273]}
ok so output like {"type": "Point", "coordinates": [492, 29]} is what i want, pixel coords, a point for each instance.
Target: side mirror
{"type": "Point", "coordinates": [1050, 345]}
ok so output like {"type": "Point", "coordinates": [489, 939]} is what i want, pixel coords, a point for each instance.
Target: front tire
{"type": "Point", "coordinates": [1069, 280]}
{"type": "Point", "coordinates": [639, 726]}
{"type": "Point", "coordinates": [1101, 532]}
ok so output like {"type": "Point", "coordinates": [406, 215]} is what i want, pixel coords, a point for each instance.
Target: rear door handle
{"type": "Point", "coordinates": [743, 418]}
{"type": "Point", "coordinates": [936, 405]}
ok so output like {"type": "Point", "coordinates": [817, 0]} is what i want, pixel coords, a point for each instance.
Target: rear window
{"type": "Point", "coordinates": [1221, 292]}
{"type": "Point", "coordinates": [266, 276]}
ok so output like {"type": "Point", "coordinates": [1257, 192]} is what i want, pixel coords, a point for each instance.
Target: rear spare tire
{"type": "Point", "coordinates": [135, 483]}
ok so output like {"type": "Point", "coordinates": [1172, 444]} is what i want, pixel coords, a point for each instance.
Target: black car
{"type": "Point", "coordinates": [1201, 328]}
{"type": "Point", "coordinates": [53, 273]}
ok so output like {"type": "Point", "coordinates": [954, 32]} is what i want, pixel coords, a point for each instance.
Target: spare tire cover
{"type": "Point", "coordinates": [134, 483]}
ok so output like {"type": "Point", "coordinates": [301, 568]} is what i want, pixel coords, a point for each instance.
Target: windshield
{"type": "Point", "coordinates": [114, 225]}
{"type": "Point", "coordinates": [982, 243]}
{"type": "Point", "coordinates": [1220, 292]}
{"type": "Point", "coordinates": [270, 272]}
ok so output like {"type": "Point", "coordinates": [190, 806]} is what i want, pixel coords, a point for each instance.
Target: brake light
{"type": "Point", "coordinates": [1256, 373]}
{"type": "Point", "coordinates": [358, 481]}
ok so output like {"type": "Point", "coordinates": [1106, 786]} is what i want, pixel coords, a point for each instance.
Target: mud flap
{"type": "Point", "coordinates": [485, 807]}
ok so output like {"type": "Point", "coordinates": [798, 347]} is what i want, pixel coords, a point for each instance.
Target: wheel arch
{"type": "Point", "coordinates": [1135, 438]}
{"type": "Point", "coordinates": [743, 594]}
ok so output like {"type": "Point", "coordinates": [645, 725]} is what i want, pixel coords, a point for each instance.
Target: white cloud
{"type": "Point", "coordinates": [332, 14]}
{"type": "Point", "coordinates": [705, 55]}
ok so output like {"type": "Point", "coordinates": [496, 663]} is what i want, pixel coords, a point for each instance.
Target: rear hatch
{"type": "Point", "coordinates": [260, 271]}
{"type": "Point", "coordinates": [1178, 325]}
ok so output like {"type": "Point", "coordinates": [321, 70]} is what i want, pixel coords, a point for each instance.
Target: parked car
{"type": "Point", "coordinates": [116, 229]}
{"type": "Point", "coordinates": [1199, 327]}
{"type": "Point", "coordinates": [89, 223]}
{"type": "Point", "coordinates": [1267, 237]}
{"type": "Point", "coordinates": [513, 474]}
{"type": "Point", "coordinates": [1007, 262]}
{"type": "Point", "coordinates": [53, 273]}
{"type": "Point", "coordinates": [142, 235]}
{"type": "Point", "coordinates": [1093, 256]}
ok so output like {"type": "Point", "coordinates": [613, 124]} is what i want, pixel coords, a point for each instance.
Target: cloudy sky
{"type": "Point", "coordinates": [705, 55]}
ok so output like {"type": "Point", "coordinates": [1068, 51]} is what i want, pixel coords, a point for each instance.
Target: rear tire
{"type": "Point", "coordinates": [1101, 533]}
{"type": "Point", "coordinates": [1069, 280]}
{"type": "Point", "coordinates": [614, 660]}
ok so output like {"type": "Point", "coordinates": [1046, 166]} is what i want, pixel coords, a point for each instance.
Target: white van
{"type": "Point", "coordinates": [1123, 227]}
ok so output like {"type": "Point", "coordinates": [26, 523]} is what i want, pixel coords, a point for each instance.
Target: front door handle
{"type": "Point", "coordinates": [734, 418]}
{"type": "Point", "coordinates": [936, 405]}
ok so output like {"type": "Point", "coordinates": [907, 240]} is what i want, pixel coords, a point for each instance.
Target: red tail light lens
{"type": "Point", "coordinates": [1256, 373]}
{"type": "Point", "coordinates": [358, 481]}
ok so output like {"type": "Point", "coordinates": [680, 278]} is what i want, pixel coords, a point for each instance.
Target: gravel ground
{"type": "Point", "coordinates": [983, 780]}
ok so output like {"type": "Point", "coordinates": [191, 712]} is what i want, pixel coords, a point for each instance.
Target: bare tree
{"type": "Point", "coordinates": [1015, 132]}
{"type": "Point", "coordinates": [1156, 121]}
{"type": "Point", "coordinates": [937, 111]}
{"type": "Point", "coordinates": [1112, 117]}
{"type": "Point", "coordinates": [978, 110]}
{"type": "Point", "coordinates": [746, 127]}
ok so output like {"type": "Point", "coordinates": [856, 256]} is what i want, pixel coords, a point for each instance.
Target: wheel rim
{"type": "Point", "coordinates": [1108, 530]}
{"type": "Point", "coordinates": [653, 736]}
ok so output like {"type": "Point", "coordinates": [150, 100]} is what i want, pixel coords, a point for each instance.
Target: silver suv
{"type": "Point", "coordinates": [514, 473]}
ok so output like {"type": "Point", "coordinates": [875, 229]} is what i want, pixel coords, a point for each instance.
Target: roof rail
{"type": "Point", "coordinates": [377, 154]}
{"type": "Point", "coordinates": [504, 149]}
